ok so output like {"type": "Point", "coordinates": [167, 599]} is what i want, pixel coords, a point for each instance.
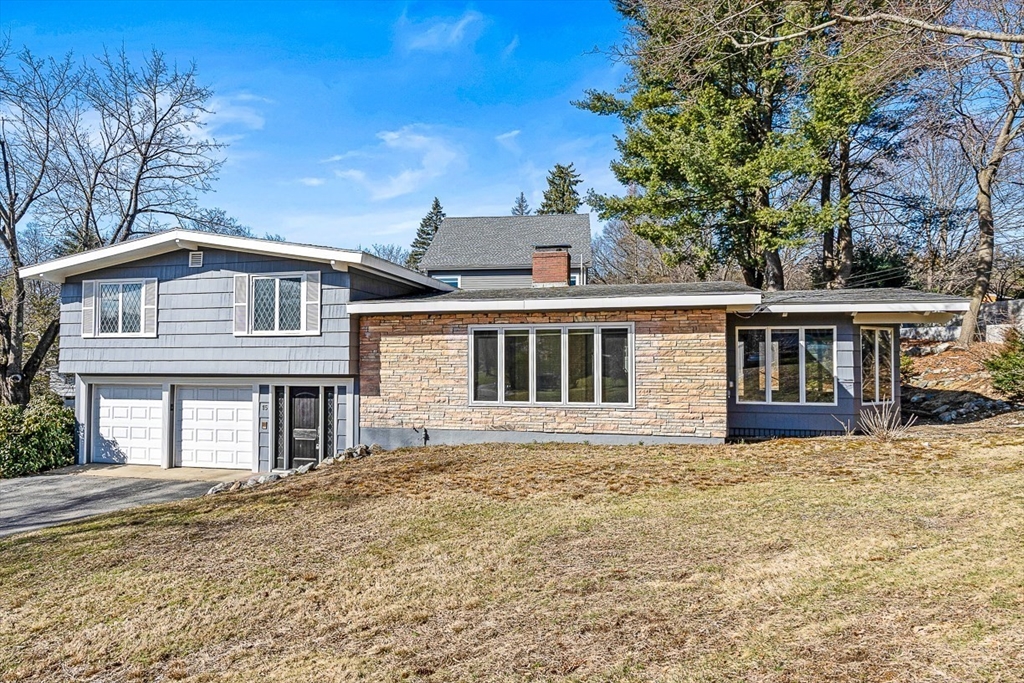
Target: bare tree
{"type": "Point", "coordinates": [395, 253]}
{"type": "Point", "coordinates": [140, 167]}
{"type": "Point", "coordinates": [95, 156]}
{"type": "Point", "coordinates": [34, 97]}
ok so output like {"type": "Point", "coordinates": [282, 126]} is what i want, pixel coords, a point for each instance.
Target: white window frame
{"type": "Point", "coordinates": [894, 375]}
{"type": "Point", "coordinates": [448, 278]}
{"type": "Point", "coordinates": [98, 309]}
{"type": "Point", "coordinates": [574, 279]}
{"type": "Point", "coordinates": [277, 277]}
{"type": "Point", "coordinates": [803, 362]}
{"type": "Point", "coordinates": [532, 402]}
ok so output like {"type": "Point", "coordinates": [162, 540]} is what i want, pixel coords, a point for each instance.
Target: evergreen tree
{"type": "Point", "coordinates": [561, 195]}
{"type": "Point", "coordinates": [521, 207]}
{"type": "Point", "coordinates": [425, 234]}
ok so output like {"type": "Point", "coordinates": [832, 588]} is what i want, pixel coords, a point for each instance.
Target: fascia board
{"type": "Point", "coordinates": [574, 304]}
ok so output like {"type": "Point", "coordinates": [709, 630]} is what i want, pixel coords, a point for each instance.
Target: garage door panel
{"type": "Point", "coordinates": [215, 427]}
{"type": "Point", "coordinates": [128, 426]}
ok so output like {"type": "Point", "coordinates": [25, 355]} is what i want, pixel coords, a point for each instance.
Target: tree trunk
{"type": "Point", "coordinates": [844, 235]}
{"type": "Point", "coordinates": [828, 238]}
{"type": "Point", "coordinates": [986, 256]}
{"type": "Point", "coordinates": [774, 280]}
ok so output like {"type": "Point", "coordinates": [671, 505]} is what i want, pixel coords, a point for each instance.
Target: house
{"type": "Point", "coordinates": [500, 252]}
{"type": "Point", "coordinates": [193, 349]}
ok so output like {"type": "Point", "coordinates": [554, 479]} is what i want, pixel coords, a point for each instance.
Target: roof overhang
{"type": "Point", "coordinates": [738, 301]}
{"type": "Point", "coordinates": [880, 313]}
{"type": "Point", "coordinates": [58, 270]}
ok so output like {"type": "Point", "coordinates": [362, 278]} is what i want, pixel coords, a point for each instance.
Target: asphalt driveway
{"type": "Point", "coordinates": [76, 493]}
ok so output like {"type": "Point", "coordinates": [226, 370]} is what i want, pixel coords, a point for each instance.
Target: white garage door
{"type": "Point", "coordinates": [215, 426]}
{"type": "Point", "coordinates": [128, 424]}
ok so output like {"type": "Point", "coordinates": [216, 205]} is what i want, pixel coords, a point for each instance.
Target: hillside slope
{"type": "Point", "coordinates": [827, 559]}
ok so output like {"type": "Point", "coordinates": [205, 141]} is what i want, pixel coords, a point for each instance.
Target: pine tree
{"type": "Point", "coordinates": [521, 207]}
{"type": "Point", "coordinates": [425, 234]}
{"type": "Point", "coordinates": [561, 195]}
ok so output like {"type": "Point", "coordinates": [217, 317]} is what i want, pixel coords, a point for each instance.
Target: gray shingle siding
{"type": "Point", "coordinates": [194, 328]}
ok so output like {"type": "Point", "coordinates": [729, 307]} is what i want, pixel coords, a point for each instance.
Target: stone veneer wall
{"type": "Point", "coordinates": [414, 373]}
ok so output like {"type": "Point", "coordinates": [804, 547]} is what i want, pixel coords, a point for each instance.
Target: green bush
{"type": "Point", "coordinates": [1007, 367]}
{"type": "Point", "coordinates": [37, 438]}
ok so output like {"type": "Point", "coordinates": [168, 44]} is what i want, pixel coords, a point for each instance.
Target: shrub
{"type": "Point", "coordinates": [884, 422]}
{"type": "Point", "coordinates": [1007, 367]}
{"type": "Point", "coordinates": [37, 438]}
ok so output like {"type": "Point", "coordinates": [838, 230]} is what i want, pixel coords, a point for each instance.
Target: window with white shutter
{"type": "Point", "coordinates": [88, 308]}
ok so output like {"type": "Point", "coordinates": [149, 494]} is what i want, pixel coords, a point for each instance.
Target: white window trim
{"type": "Point", "coordinates": [893, 374]}
{"type": "Point", "coordinates": [532, 402]}
{"type": "Point", "coordinates": [303, 296]}
{"type": "Point", "coordinates": [97, 317]}
{"type": "Point", "coordinates": [445, 278]}
{"type": "Point", "coordinates": [574, 279]}
{"type": "Point", "coordinates": [803, 361]}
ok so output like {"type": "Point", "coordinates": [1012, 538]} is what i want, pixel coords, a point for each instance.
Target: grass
{"type": "Point", "coordinates": [830, 559]}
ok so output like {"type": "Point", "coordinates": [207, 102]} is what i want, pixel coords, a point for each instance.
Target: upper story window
{"type": "Point", "coordinates": [119, 308]}
{"type": "Point", "coordinates": [453, 280]}
{"type": "Point", "coordinates": [786, 365]}
{"type": "Point", "coordinates": [567, 365]}
{"type": "Point", "coordinates": [876, 360]}
{"type": "Point", "coordinates": [277, 304]}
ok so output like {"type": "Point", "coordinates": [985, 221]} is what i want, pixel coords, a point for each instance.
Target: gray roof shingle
{"type": "Point", "coordinates": [506, 241]}
{"type": "Point", "coordinates": [867, 295]}
{"type": "Point", "coordinates": [586, 292]}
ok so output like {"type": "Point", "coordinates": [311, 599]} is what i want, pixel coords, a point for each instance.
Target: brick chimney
{"type": "Point", "coordinates": [551, 265]}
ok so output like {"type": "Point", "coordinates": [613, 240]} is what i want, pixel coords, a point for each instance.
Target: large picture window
{"type": "Point", "coordinates": [786, 365]}
{"type": "Point", "coordinates": [876, 359]}
{"type": "Point", "coordinates": [552, 365]}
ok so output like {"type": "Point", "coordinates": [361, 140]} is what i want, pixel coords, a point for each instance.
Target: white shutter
{"type": "Point", "coordinates": [88, 308]}
{"type": "Point", "coordinates": [149, 290]}
{"type": "Point", "coordinates": [311, 301]}
{"type": "Point", "coordinates": [241, 304]}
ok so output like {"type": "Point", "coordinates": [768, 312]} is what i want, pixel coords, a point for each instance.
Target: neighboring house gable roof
{"type": "Point", "coordinates": [59, 269]}
{"type": "Point", "coordinates": [506, 241]}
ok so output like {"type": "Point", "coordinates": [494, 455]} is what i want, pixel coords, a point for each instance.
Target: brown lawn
{"type": "Point", "coordinates": [816, 560]}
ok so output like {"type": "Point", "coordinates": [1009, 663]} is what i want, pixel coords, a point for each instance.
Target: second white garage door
{"type": "Point", "coordinates": [214, 427]}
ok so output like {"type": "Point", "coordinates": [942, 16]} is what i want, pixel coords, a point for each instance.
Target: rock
{"type": "Point", "coordinates": [273, 477]}
{"type": "Point", "coordinates": [917, 398]}
{"type": "Point", "coordinates": [304, 469]}
{"type": "Point", "coordinates": [376, 448]}
{"type": "Point", "coordinates": [939, 348]}
{"type": "Point", "coordinates": [941, 409]}
{"type": "Point", "coordinates": [350, 452]}
{"type": "Point", "coordinates": [327, 461]}
{"type": "Point", "coordinates": [947, 416]}
{"type": "Point", "coordinates": [261, 480]}
{"type": "Point", "coordinates": [362, 450]}
{"type": "Point", "coordinates": [217, 489]}
{"type": "Point", "coordinates": [234, 487]}
{"type": "Point", "coordinates": [913, 351]}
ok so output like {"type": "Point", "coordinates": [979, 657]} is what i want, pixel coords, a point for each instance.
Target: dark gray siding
{"type": "Point", "coordinates": [493, 279]}
{"type": "Point", "coordinates": [194, 330]}
{"type": "Point", "coordinates": [746, 419]}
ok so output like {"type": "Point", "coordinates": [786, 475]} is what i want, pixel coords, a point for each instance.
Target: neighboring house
{"type": "Point", "coordinates": [191, 349]}
{"type": "Point", "coordinates": [499, 252]}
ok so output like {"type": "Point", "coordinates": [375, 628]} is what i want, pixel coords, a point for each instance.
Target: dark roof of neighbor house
{"type": "Point", "coordinates": [506, 241]}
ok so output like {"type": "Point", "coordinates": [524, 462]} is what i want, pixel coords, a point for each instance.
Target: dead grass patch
{"type": "Point", "coordinates": [792, 560]}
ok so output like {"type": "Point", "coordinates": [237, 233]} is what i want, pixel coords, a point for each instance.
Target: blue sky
{"type": "Point", "coordinates": [345, 119]}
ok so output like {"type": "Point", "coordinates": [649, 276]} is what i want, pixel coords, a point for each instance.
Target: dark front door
{"type": "Point", "coordinates": [305, 425]}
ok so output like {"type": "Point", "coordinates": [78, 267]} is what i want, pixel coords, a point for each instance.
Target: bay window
{"type": "Point", "coordinates": [876, 359]}
{"type": "Point", "coordinates": [785, 365]}
{"type": "Point", "coordinates": [552, 365]}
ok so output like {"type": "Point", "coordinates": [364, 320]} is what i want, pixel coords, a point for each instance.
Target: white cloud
{"type": "Point", "coordinates": [510, 48]}
{"type": "Point", "coordinates": [229, 112]}
{"type": "Point", "coordinates": [432, 155]}
{"type": "Point", "coordinates": [509, 140]}
{"type": "Point", "coordinates": [312, 182]}
{"type": "Point", "coordinates": [438, 35]}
